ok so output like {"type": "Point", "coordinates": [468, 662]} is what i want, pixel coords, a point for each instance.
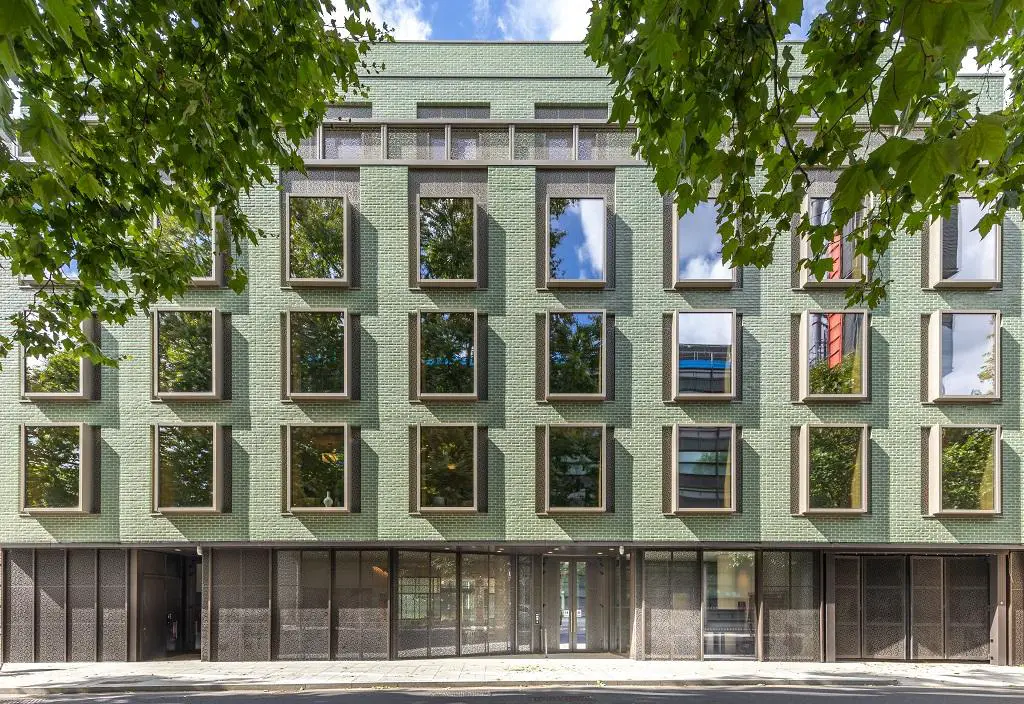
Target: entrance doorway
{"type": "Point", "coordinates": [170, 605]}
{"type": "Point", "coordinates": [576, 613]}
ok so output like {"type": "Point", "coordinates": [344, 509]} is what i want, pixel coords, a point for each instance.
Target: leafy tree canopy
{"type": "Point", "coordinates": [134, 111]}
{"type": "Point", "coordinates": [721, 100]}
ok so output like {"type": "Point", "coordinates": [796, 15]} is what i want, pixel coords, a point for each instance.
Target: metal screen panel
{"type": "Point", "coordinates": [486, 604]}
{"type": "Point", "coordinates": [360, 601]}
{"type": "Point", "coordinates": [428, 602]}
{"type": "Point", "coordinates": [1016, 563]}
{"type": "Point", "coordinates": [926, 630]}
{"type": "Point", "coordinates": [82, 605]}
{"type": "Point", "coordinates": [51, 606]}
{"type": "Point", "coordinates": [301, 613]}
{"type": "Point", "coordinates": [239, 605]}
{"type": "Point", "coordinates": [967, 608]}
{"type": "Point", "coordinates": [672, 607]}
{"type": "Point", "coordinates": [526, 605]}
{"type": "Point", "coordinates": [846, 578]}
{"type": "Point", "coordinates": [791, 602]}
{"type": "Point", "coordinates": [884, 628]}
{"type": "Point", "coordinates": [112, 609]}
{"type": "Point", "coordinates": [19, 598]}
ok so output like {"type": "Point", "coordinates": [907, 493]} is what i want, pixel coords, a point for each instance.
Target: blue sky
{"type": "Point", "coordinates": [504, 19]}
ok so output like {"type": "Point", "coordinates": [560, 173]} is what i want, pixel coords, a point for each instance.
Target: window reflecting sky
{"type": "Point", "coordinates": [968, 364]}
{"type": "Point", "coordinates": [700, 328]}
{"type": "Point", "coordinates": [577, 239]}
{"type": "Point", "coordinates": [699, 246]}
{"type": "Point", "coordinates": [975, 255]}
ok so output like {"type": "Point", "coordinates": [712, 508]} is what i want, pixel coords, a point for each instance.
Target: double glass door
{"type": "Point", "coordinates": [572, 603]}
{"type": "Point", "coordinates": [575, 614]}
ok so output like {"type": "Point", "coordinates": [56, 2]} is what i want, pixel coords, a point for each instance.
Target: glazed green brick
{"type": "Point", "coordinates": [512, 78]}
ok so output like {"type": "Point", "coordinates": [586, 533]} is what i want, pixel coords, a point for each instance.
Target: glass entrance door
{"type": "Point", "coordinates": [572, 602]}
{"type": "Point", "coordinates": [729, 607]}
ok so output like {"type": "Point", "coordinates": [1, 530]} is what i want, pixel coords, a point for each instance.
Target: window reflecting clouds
{"type": "Point", "coordinates": [699, 246]}
{"type": "Point", "coordinates": [704, 358]}
{"type": "Point", "coordinates": [576, 239]}
{"type": "Point", "coordinates": [968, 354]}
{"type": "Point", "coordinates": [966, 255]}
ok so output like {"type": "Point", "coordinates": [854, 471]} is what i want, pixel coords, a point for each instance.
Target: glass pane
{"type": "Point", "coordinates": [193, 238]}
{"type": "Point", "coordinates": [447, 467]}
{"type": "Point", "coordinates": [704, 467]}
{"type": "Point", "coordinates": [185, 352]}
{"type": "Point", "coordinates": [317, 352]}
{"type": "Point", "coordinates": [353, 143]}
{"type": "Point", "coordinates": [835, 353]}
{"type": "Point", "coordinates": [581, 605]}
{"type": "Point", "coordinates": [845, 264]}
{"type": "Point", "coordinates": [447, 239]}
{"type": "Point", "coordinates": [60, 373]}
{"type": "Point", "coordinates": [575, 343]}
{"type": "Point", "coordinates": [447, 353]}
{"type": "Point", "coordinates": [316, 231]}
{"type": "Point", "coordinates": [966, 255]}
{"type": "Point", "coordinates": [836, 468]}
{"type": "Point", "coordinates": [699, 246]}
{"type": "Point", "coordinates": [968, 469]}
{"type": "Point", "coordinates": [968, 354]}
{"type": "Point", "coordinates": [730, 611]}
{"type": "Point", "coordinates": [574, 471]}
{"type": "Point", "coordinates": [317, 458]}
{"type": "Point", "coordinates": [705, 353]}
{"type": "Point", "coordinates": [576, 239]}
{"type": "Point", "coordinates": [186, 466]}
{"type": "Point", "coordinates": [565, 605]}
{"type": "Point", "coordinates": [52, 465]}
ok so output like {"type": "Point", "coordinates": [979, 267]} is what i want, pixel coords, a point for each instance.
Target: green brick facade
{"type": "Point", "coordinates": [512, 78]}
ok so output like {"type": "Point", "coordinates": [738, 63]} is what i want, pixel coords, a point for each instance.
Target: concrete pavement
{"type": "Point", "coordinates": [38, 679]}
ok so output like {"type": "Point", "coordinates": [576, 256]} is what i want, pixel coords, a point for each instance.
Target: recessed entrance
{"type": "Point", "coordinates": [576, 613]}
{"type": "Point", "coordinates": [170, 605]}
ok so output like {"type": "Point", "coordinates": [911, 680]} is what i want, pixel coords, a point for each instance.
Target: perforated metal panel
{"type": "Point", "coordinates": [240, 605]}
{"type": "Point", "coordinates": [81, 605]}
{"type": "Point", "coordinates": [847, 606]}
{"type": "Point", "coordinates": [967, 608]}
{"type": "Point", "coordinates": [526, 605]}
{"type": "Point", "coordinates": [360, 602]}
{"type": "Point", "coordinates": [884, 627]}
{"type": "Point", "coordinates": [20, 597]}
{"type": "Point", "coordinates": [926, 633]}
{"type": "Point", "coordinates": [300, 614]}
{"type": "Point", "coordinates": [113, 605]}
{"type": "Point", "coordinates": [1016, 612]}
{"type": "Point", "coordinates": [672, 606]}
{"type": "Point", "coordinates": [486, 604]}
{"type": "Point", "coordinates": [427, 608]}
{"type": "Point", "coordinates": [51, 603]}
{"type": "Point", "coordinates": [790, 594]}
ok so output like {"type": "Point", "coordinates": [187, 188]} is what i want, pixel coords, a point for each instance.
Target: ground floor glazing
{"type": "Point", "coordinates": [686, 603]}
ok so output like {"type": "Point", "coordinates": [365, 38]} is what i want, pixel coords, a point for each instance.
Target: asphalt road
{"type": "Point", "coordinates": [722, 695]}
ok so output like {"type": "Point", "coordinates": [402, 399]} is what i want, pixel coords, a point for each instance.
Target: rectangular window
{"type": "Point", "coordinates": [834, 364]}
{"type": "Point", "coordinates": [352, 143]}
{"type": "Point", "coordinates": [705, 354]}
{"type": "Point", "coordinates": [846, 265]}
{"type": "Point", "coordinates": [317, 357]}
{"type": "Point", "coordinates": [196, 238]}
{"type": "Point", "coordinates": [577, 242]}
{"type": "Point", "coordinates": [446, 237]}
{"type": "Point", "coordinates": [187, 468]}
{"type": "Point", "coordinates": [833, 469]}
{"type": "Point", "coordinates": [56, 470]}
{"type": "Point", "coordinates": [576, 355]}
{"type": "Point", "coordinates": [447, 355]}
{"type": "Point", "coordinates": [187, 350]}
{"type": "Point", "coordinates": [960, 255]}
{"type": "Point", "coordinates": [964, 356]}
{"type": "Point", "coordinates": [62, 375]}
{"type": "Point", "coordinates": [447, 468]}
{"type": "Point", "coordinates": [964, 470]}
{"type": "Point", "coordinates": [575, 468]}
{"type": "Point", "coordinates": [705, 462]}
{"type": "Point", "coordinates": [698, 249]}
{"type": "Point", "coordinates": [316, 246]}
{"type": "Point", "coordinates": [317, 468]}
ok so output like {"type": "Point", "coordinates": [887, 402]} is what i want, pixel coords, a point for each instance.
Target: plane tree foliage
{"type": "Point", "coordinates": [139, 112]}
{"type": "Point", "coordinates": [724, 105]}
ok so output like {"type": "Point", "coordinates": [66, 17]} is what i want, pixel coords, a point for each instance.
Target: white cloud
{"type": "Point", "coordinates": [481, 14]}
{"type": "Point", "coordinates": [592, 221]}
{"type": "Point", "coordinates": [705, 328]}
{"type": "Point", "coordinates": [404, 17]}
{"type": "Point", "coordinates": [561, 20]}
